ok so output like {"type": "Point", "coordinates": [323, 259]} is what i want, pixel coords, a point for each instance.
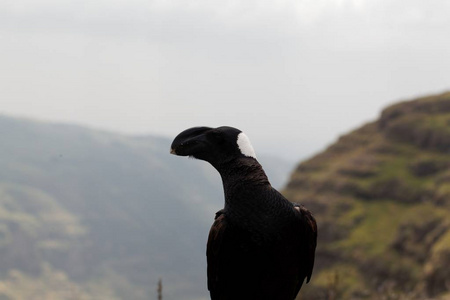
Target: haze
{"type": "Point", "coordinates": [293, 75]}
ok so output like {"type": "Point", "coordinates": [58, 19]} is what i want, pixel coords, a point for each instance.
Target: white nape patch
{"type": "Point", "coordinates": [245, 146]}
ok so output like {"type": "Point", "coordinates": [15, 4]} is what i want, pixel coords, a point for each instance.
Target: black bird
{"type": "Point", "coordinates": [260, 246]}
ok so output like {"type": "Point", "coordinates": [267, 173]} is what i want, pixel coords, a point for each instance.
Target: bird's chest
{"type": "Point", "coordinates": [257, 217]}
{"type": "Point", "coordinates": [255, 229]}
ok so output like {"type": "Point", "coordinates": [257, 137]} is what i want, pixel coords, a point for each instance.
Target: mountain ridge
{"type": "Point", "coordinates": [381, 197]}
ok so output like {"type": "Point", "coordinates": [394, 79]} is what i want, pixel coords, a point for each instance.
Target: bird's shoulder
{"type": "Point", "coordinates": [219, 224]}
{"type": "Point", "coordinates": [308, 235]}
{"type": "Point", "coordinates": [214, 248]}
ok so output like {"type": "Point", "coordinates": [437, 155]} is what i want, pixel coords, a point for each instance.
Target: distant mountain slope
{"type": "Point", "coordinates": [102, 215]}
{"type": "Point", "coordinates": [381, 196]}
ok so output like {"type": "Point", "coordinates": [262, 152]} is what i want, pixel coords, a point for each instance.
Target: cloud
{"type": "Point", "coordinates": [317, 67]}
{"type": "Point", "coordinates": [233, 13]}
{"type": "Point", "coordinates": [180, 20]}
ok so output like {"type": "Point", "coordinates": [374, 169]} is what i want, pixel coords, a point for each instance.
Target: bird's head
{"type": "Point", "coordinates": [214, 145]}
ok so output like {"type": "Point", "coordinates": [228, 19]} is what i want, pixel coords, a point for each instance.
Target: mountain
{"type": "Point", "coordinates": [381, 197]}
{"type": "Point", "coordinates": [87, 214]}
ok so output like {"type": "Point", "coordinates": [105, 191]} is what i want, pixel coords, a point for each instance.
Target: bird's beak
{"type": "Point", "coordinates": [189, 142]}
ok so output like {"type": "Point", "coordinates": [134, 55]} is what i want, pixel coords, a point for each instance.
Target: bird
{"type": "Point", "coordinates": [260, 246]}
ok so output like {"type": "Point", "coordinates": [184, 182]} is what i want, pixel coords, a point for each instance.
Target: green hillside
{"type": "Point", "coordinates": [381, 197]}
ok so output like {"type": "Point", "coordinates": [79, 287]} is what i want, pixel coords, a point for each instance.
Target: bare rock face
{"type": "Point", "coordinates": [381, 197]}
{"type": "Point", "coordinates": [424, 122]}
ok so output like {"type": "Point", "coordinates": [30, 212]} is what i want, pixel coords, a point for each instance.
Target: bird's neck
{"type": "Point", "coordinates": [242, 177]}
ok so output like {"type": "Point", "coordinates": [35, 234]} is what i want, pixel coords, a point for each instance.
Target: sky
{"type": "Point", "coordinates": [294, 75]}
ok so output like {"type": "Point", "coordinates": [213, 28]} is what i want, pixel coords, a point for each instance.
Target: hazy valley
{"type": "Point", "coordinates": [86, 214]}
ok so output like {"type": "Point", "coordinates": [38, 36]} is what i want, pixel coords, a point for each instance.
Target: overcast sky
{"type": "Point", "coordinates": [294, 75]}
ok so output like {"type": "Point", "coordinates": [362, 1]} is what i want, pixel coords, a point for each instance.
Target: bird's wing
{"type": "Point", "coordinates": [308, 239]}
{"type": "Point", "coordinates": [213, 248]}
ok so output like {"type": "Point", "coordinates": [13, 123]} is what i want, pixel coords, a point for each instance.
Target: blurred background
{"type": "Point", "coordinates": [92, 206]}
